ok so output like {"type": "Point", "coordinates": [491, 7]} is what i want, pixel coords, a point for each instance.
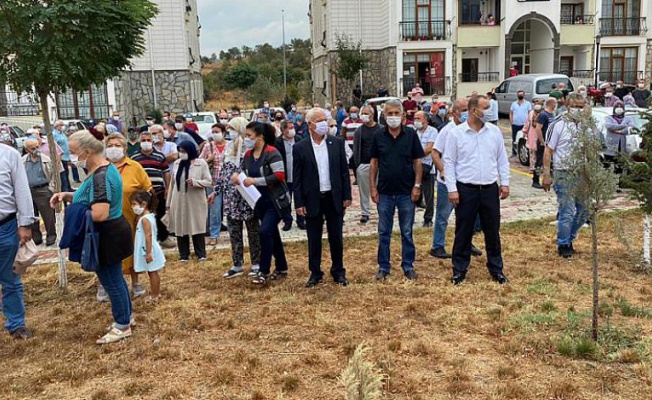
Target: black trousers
{"type": "Point", "coordinates": [287, 218]}
{"type": "Point", "coordinates": [162, 230]}
{"type": "Point", "coordinates": [485, 202]}
{"type": "Point", "coordinates": [198, 242]}
{"type": "Point", "coordinates": [314, 229]}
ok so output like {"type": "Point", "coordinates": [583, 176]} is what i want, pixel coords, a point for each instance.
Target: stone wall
{"type": "Point", "coordinates": [177, 92]}
{"type": "Point", "coordinates": [381, 69]}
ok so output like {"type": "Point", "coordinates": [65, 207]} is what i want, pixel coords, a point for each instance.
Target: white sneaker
{"type": "Point", "coordinates": [139, 290]}
{"type": "Point", "coordinates": [254, 270]}
{"type": "Point", "coordinates": [168, 243]}
{"type": "Point", "coordinates": [114, 335]}
{"type": "Point", "coordinates": [102, 296]}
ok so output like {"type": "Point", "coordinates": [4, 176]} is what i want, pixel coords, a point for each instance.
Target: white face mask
{"type": "Point", "coordinates": [224, 121]}
{"type": "Point", "coordinates": [183, 156]}
{"type": "Point", "coordinates": [321, 128]}
{"type": "Point", "coordinates": [619, 111]}
{"type": "Point", "coordinates": [138, 210]}
{"type": "Point", "coordinates": [166, 134]}
{"type": "Point", "coordinates": [150, 122]}
{"type": "Point", "coordinates": [537, 107]}
{"type": "Point", "coordinates": [418, 125]}
{"type": "Point", "coordinates": [233, 135]}
{"type": "Point", "coordinates": [178, 125]}
{"type": "Point", "coordinates": [156, 139]}
{"type": "Point", "coordinates": [365, 118]}
{"type": "Point", "coordinates": [218, 137]}
{"type": "Point", "coordinates": [291, 133]}
{"type": "Point", "coordinates": [147, 146]}
{"type": "Point", "coordinates": [394, 122]}
{"type": "Point", "coordinates": [641, 85]}
{"type": "Point", "coordinates": [115, 154]}
{"type": "Point", "coordinates": [332, 130]}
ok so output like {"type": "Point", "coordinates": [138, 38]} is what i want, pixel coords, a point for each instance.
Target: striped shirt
{"type": "Point", "coordinates": [350, 126]}
{"type": "Point", "coordinates": [156, 167]}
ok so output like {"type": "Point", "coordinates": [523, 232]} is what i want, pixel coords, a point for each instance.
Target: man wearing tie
{"type": "Point", "coordinates": [322, 191]}
{"type": "Point", "coordinates": [475, 162]}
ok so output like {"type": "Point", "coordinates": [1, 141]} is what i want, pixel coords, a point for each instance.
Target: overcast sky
{"type": "Point", "coordinates": [235, 23]}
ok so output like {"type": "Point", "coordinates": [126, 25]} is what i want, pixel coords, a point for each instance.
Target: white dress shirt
{"type": "Point", "coordinates": [477, 158]}
{"type": "Point", "coordinates": [15, 196]}
{"type": "Point", "coordinates": [440, 144]}
{"type": "Point", "coordinates": [321, 155]}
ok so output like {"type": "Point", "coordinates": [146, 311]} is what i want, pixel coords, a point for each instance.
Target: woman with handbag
{"type": "Point", "coordinates": [101, 192]}
{"type": "Point", "coordinates": [264, 168]}
{"type": "Point", "coordinates": [214, 153]}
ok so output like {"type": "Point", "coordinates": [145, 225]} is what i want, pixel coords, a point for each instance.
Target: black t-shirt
{"type": "Point", "coordinates": [366, 139]}
{"type": "Point", "coordinates": [396, 160]}
{"type": "Point", "coordinates": [545, 118]}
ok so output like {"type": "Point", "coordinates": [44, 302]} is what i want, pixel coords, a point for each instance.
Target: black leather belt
{"type": "Point", "coordinates": [39, 186]}
{"type": "Point", "coordinates": [326, 194]}
{"type": "Point", "coordinates": [8, 218]}
{"type": "Point", "coordinates": [476, 187]}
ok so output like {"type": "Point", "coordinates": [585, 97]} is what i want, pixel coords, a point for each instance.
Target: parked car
{"type": "Point", "coordinates": [251, 115]}
{"type": "Point", "coordinates": [534, 86]}
{"type": "Point", "coordinates": [81, 125]}
{"type": "Point", "coordinates": [204, 120]}
{"type": "Point", "coordinates": [19, 136]}
{"type": "Point", "coordinates": [380, 102]}
{"type": "Point", "coordinates": [610, 154]}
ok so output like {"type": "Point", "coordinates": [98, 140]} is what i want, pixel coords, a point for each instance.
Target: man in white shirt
{"type": "Point", "coordinates": [475, 162]}
{"type": "Point", "coordinates": [322, 192]}
{"type": "Point", "coordinates": [571, 215]}
{"type": "Point", "coordinates": [168, 149]}
{"type": "Point", "coordinates": [427, 135]}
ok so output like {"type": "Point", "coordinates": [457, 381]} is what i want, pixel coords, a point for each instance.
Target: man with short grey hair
{"type": "Point", "coordinates": [16, 219]}
{"type": "Point", "coordinates": [395, 180]}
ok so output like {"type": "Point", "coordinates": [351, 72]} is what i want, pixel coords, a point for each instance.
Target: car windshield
{"type": "Point", "coordinates": [544, 86]}
{"type": "Point", "coordinates": [19, 131]}
{"type": "Point", "coordinates": [208, 119]}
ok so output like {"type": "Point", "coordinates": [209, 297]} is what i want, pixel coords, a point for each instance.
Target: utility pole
{"type": "Point", "coordinates": [285, 75]}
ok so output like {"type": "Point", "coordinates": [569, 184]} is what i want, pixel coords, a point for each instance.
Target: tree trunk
{"type": "Point", "coordinates": [594, 239]}
{"type": "Point", "coordinates": [43, 97]}
{"type": "Point", "coordinates": [646, 239]}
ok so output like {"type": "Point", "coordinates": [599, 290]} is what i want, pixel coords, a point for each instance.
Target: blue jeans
{"type": "Point", "coordinates": [215, 217]}
{"type": "Point", "coordinates": [110, 276]}
{"type": "Point", "coordinates": [444, 210]}
{"type": "Point", "coordinates": [571, 215]}
{"type": "Point", "coordinates": [13, 306]}
{"type": "Point", "coordinates": [386, 207]}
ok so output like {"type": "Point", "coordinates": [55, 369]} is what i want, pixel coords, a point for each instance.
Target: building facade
{"type": "Point", "coordinates": [454, 47]}
{"type": "Point", "coordinates": [166, 77]}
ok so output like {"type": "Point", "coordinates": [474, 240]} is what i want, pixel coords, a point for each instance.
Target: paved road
{"type": "Point", "coordinates": [524, 203]}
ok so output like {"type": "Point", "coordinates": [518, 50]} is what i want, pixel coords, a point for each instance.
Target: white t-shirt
{"type": "Point", "coordinates": [427, 137]}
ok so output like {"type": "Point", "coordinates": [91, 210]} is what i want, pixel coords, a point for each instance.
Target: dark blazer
{"type": "Point", "coordinates": [306, 175]}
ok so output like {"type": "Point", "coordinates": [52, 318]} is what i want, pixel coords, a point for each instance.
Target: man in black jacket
{"type": "Point", "coordinates": [284, 144]}
{"type": "Point", "coordinates": [322, 191]}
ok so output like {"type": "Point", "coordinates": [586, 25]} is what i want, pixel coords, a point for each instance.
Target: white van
{"type": "Point", "coordinates": [534, 85]}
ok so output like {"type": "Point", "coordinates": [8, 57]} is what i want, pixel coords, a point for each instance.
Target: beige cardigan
{"type": "Point", "coordinates": [47, 168]}
{"type": "Point", "coordinates": [188, 210]}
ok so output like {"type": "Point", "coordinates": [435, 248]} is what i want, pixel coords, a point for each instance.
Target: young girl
{"type": "Point", "coordinates": [148, 255]}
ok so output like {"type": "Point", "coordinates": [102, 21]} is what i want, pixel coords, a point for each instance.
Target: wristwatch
{"type": "Point", "coordinates": [417, 185]}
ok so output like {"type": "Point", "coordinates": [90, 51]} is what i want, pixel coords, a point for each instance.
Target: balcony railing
{"type": "Point", "coordinates": [623, 26]}
{"type": "Point", "coordinates": [628, 77]}
{"type": "Point", "coordinates": [578, 73]}
{"type": "Point", "coordinates": [479, 77]}
{"type": "Point", "coordinates": [432, 85]}
{"type": "Point", "coordinates": [424, 30]}
{"type": "Point", "coordinates": [577, 20]}
{"type": "Point", "coordinates": [13, 104]}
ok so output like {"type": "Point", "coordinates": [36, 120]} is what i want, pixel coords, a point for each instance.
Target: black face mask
{"type": "Point", "coordinates": [521, 97]}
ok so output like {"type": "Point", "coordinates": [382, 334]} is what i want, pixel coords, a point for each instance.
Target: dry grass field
{"type": "Point", "coordinates": [215, 339]}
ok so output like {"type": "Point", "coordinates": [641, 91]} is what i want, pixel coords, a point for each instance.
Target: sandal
{"type": "Point", "coordinates": [260, 279]}
{"type": "Point", "coordinates": [278, 275]}
{"type": "Point", "coordinates": [114, 335]}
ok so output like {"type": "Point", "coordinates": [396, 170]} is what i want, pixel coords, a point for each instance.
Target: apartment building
{"type": "Point", "coordinates": [166, 77]}
{"type": "Point", "coordinates": [454, 47]}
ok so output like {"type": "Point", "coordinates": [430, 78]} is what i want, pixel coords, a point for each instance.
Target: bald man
{"type": "Point", "coordinates": [39, 170]}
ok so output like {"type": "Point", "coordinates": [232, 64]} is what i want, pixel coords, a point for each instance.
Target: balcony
{"type": "Point", "coordinates": [577, 20]}
{"type": "Point", "coordinates": [424, 30]}
{"type": "Point", "coordinates": [479, 76]}
{"type": "Point", "coordinates": [628, 77]}
{"type": "Point", "coordinates": [478, 36]}
{"type": "Point", "coordinates": [579, 76]}
{"type": "Point", "coordinates": [577, 32]}
{"type": "Point", "coordinates": [430, 85]}
{"type": "Point", "coordinates": [623, 26]}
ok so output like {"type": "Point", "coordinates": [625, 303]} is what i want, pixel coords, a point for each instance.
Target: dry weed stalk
{"type": "Point", "coordinates": [361, 379]}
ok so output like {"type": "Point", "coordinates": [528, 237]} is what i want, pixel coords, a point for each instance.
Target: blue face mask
{"type": "Point", "coordinates": [464, 116]}
{"type": "Point", "coordinates": [442, 112]}
{"type": "Point", "coordinates": [249, 143]}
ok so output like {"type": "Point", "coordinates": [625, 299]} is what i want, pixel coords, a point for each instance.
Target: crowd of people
{"type": "Point", "coordinates": [164, 186]}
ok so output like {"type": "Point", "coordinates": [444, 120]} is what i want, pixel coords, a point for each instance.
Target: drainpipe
{"type": "Point", "coordinates": [151, 63]}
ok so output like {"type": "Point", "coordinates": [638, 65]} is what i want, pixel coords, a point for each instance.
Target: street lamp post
{"type": "Point", "coordinates": [597, 59]}
{"type": "Point", "coordinates": [285, 75]}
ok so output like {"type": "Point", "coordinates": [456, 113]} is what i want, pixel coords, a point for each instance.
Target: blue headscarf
{"type": "Point", "coordinates": [184, 165]}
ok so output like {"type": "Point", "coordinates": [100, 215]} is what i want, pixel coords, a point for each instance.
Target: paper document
{"type": "Point", "coordinates": [250, 194]}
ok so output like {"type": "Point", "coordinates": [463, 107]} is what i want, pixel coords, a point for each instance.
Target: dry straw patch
{"type": "Point", "coordinates": [216, 339]}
